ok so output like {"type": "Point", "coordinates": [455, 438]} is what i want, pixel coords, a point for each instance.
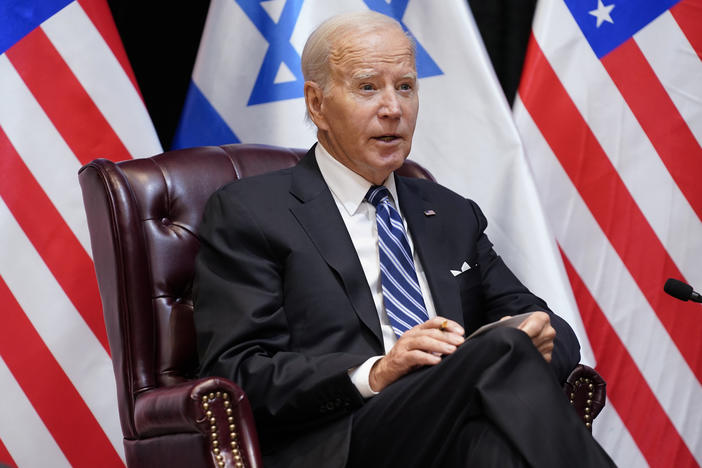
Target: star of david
{"type": "Point", "coordinates": [282, 53]}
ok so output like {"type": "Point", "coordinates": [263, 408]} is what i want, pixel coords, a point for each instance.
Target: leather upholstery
{"type": "Point", "coordinates": [143, 217]}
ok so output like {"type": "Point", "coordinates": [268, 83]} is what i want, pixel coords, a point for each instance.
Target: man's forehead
{"type": "Point", "coordinates": [356, 51]}
{"type": "Point", "coordinates": [365, 62]}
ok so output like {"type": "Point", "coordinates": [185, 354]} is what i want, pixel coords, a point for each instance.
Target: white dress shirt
{"type": "Point", "coordinates": [349, 190]}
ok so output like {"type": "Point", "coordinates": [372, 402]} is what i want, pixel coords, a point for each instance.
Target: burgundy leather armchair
{"type": "Point", "coordinates": [143, 217]}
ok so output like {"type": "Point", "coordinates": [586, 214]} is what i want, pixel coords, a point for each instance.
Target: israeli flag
{"type": "Point", "coordinates": [247, 87]}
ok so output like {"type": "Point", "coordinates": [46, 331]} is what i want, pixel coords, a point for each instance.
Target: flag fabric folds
{"type": "Point", "coordinates": [67, 96]}
{"type": "Point", "coordinates": [610, 112]}
{"type": "Point", "coordinates": [247, 87]}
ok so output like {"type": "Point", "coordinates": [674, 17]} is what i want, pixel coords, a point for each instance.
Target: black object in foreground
{"type": "Point", "coordinates": [680, 290]}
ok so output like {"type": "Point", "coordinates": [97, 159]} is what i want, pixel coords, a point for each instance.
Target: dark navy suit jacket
{"type": "Point", "coordinates": [282, 306]}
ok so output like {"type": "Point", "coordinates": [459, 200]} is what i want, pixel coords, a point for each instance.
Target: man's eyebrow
{"type": "Point", "coordinates": [363, 75]}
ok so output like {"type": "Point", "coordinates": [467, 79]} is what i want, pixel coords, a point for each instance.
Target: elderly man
{"type": "Point", "coordinates": [326, 292]}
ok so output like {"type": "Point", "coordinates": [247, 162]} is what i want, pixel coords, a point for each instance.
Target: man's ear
{"type": "Point", "coordinates": [314, 97]}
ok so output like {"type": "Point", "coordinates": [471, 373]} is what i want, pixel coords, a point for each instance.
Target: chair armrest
{"type": "Point", "coordinates": [587, 392]}
{"type": "Point", "coordinates": [215, 407]}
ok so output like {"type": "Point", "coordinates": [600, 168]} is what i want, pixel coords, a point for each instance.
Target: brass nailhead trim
{"type": "Point", "coordinates": [588, 403]}
{"type": "Point", "coordinates": [207, 400]}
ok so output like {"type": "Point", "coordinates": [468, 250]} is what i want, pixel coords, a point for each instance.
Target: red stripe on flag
{"type": "Point", "coordinates": [5, 457]}
{"type": "Point", "coordinates": [60, 94]}
{"type": "Point", "coordinates": [51, 237]}
{"type": "Point", "coordinates": [51, 393]}
{"type": "Point", "coordinates": [100, 15]}
{"type": "Point", "coordinates": [637, 406]}
{"type": "Point", "coordinates": [688, 15]}
{"type": "Point", "coordinates": [609, 201]}
{"type": "Point", "coordinates": [659, 118]}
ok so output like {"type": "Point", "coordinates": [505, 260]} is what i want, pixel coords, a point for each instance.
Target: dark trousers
{"type": "Point", "coordinates": [494, 402]}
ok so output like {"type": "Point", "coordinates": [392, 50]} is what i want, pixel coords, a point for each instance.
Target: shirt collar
{"type": "Point", "coordinates": [348, 187]}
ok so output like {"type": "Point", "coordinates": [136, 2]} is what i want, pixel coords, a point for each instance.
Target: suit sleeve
{"type": "Point", "coordinates": [243, 331]}
{"type": "Point", "coordinates": [504, 294]}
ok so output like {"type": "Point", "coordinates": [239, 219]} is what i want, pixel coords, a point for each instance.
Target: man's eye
{"type": "Point", "coordinates": [367, 87]}
{"type": "Point", "coordinates": [405, 86]}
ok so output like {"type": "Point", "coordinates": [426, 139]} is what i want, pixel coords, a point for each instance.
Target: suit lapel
{"type": "Point", "coordinates": [429, 234]}
{"type": "Point", "coordinates": [320, 218]}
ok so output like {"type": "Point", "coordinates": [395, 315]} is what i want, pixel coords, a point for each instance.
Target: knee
{"type": "Point", "coordinates": [507, 343]}
{"type": "Point", "coordinates": [496, 344]}
{"type": "Point", "coordinates": [512, 338]}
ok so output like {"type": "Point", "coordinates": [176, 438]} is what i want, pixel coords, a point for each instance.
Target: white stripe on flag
{"type": "Point", "coordinates": [60, 326]}
{"type": "Point", "coordinates": [665, 370]}
{"type": "Point", "coordinates": [21, 423]}
{"type": "Point", "coordinates": [34, 137]}
{"type": "Point", "coordinates": [638, 164]}
{"type": "Point", "coordinates": [677, 66]}
{"type": "Point", "coordinates": [103, 78]}
{"type": "Point", "coordinates": [610, 431]}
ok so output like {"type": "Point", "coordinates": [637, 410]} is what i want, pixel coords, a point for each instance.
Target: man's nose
{"type": "Point", "coordinates": [390, 105]}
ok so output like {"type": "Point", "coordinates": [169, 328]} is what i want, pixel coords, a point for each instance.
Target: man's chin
{"type": "Point", "coordinates": [391, 163]}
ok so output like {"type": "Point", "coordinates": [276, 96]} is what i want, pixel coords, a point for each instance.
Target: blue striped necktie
{"type": "Point", "coordinates": [401, 294]}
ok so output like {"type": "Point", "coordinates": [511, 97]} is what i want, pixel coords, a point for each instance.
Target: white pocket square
{"type": "Point", "coordinates": [465, 267]}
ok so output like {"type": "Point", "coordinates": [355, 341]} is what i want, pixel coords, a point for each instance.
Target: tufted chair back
{"type": "Point", "coordinates": [143, 217]}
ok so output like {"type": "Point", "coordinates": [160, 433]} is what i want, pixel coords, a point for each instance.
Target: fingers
{"type": "Point", "coordinates": [535, 323]}
{"type": "Point", "coordinates": [430, 341]}
{"type": "Point", "coordinates": [437, 329]}
{"type": "Point", "coordinates": [538, 327]}
{"type": "Point", "coordinates": [441, 324]}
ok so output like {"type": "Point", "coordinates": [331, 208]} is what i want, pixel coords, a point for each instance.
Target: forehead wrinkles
{"type": "Point", "coordinates": [361, 60]}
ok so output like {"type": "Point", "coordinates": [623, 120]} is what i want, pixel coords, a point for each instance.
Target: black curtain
{"type": "Point", "coordinates": [161, 40]}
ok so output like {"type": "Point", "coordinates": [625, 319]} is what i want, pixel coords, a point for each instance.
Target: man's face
{"type": "Point", "coordinates": [366, 119]}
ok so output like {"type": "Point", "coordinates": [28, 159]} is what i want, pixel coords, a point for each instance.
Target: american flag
{"type": "Point", "coordinates": [610, 111]}
{"type": "Point", "coordinates": [67, 96]}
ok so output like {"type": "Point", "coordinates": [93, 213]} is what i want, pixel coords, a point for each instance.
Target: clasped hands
{"type": "Point", "coordinates": [425, 344]}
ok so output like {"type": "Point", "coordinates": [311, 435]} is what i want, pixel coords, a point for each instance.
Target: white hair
{"type": "Point", "coordinates": [322, 41]}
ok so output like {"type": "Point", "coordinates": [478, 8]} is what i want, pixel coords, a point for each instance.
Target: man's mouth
{"type": "Point", "coordinates": [387, 138]}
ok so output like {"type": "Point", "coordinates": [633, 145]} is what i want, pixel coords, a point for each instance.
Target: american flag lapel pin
{"type": "Point", "coordinates": [429, 212]}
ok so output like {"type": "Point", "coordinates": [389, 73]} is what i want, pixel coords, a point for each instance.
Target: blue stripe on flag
{"type": "Point", "coordinates": [628, 17]}
{"type": "Point", "coordinates": [20, 17]}
{"type": "Point", "coordinates": [200, 124]}
{"type": "Point", "coordinates": [426, 66]}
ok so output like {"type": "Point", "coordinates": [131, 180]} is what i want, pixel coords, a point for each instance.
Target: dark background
{"type": "Point", "coordinates": [161, 39]}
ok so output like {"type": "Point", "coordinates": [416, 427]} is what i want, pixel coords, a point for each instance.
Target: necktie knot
{"type": "Point", "coordinates": [377, 194]}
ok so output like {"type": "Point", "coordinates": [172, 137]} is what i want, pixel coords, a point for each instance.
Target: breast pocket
{"type": "Point", "coordinates": [469, 284]}
{"type": "Point", "coordinates": [471, 290]}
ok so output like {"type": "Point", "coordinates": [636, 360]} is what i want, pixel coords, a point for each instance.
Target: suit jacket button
{"type": "Point", "coordinates": [330, 406]}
